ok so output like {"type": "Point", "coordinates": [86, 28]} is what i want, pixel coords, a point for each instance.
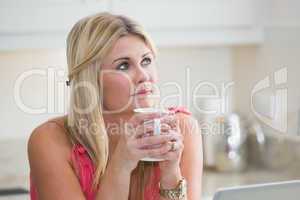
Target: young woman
{"type": "Point", "coordinates": [94, 152]}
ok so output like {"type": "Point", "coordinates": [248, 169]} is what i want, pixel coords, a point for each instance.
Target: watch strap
{"type": "Point", "coordinates": [177, 193]}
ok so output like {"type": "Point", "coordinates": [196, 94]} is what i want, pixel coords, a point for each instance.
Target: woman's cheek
{"type": "Point", "coordinates": [116, 92]}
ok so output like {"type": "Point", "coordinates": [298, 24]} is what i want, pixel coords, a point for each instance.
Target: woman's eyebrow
{"type": "Point", "coordinates": [127, 58]}
{"type": "Point", "coordinates": [146, 54]}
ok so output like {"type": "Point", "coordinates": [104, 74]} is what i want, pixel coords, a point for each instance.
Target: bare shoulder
{"type": "Point", "coordinates": [49, 135]}
{"type": "Point", "coordinates": [49, 159]}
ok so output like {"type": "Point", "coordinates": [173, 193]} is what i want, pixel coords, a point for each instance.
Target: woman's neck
{"type": "Point", "coordinates": [116, 118]}
{"type": "Point", "coordinates": [113, 125]}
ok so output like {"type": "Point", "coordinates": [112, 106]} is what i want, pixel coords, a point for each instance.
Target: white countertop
{"type": "Point", "coordinates": [15, 197]}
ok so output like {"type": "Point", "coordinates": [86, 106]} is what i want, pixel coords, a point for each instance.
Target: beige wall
{"type": "Point", "coordinates": [14, 122]}
{"type": "Point", "coordinates": [213, 65]}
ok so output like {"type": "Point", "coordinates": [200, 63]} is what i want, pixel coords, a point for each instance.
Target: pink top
{"type": "Point", "coordinates": [85, 169]}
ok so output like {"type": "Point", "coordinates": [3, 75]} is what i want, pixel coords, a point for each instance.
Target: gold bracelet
{"type": "Point", "coordinates": [177, 193]}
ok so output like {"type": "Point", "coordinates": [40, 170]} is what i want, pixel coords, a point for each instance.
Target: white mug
{"type": "Point", "coordinates": [156, 125]}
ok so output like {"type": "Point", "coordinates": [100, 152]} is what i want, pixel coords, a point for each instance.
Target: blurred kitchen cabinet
{"type": "Point", "coordinates": [42, 23]}
{"type": "Point", "coordinates": [45, 23]}
{"type": "Point", "coordinates": [197, 22]}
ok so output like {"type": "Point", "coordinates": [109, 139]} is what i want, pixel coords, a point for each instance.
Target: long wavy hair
{"type": "Point", "coordinates": [88, 43]}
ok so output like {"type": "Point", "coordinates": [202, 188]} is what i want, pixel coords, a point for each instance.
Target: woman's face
{"type": "Point", "coordinates": [127, 76]}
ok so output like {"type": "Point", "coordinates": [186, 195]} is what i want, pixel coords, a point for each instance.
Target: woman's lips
{"type": "Point", "coordinates": [143, 92]}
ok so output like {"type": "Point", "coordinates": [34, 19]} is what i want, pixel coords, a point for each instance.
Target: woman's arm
{"type": "Point", "coordinates": [192, 158]}
{"type": "Point", "coordinates": [191, 162]}
{"type": "Point", "coordinates": [116, 181]}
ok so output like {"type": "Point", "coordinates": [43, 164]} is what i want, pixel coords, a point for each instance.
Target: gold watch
{"type": "Point", "coordinates": [177, 193]}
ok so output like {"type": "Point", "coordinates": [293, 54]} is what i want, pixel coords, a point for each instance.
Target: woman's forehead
{"type": "Point", "coordinates": [128, 46]}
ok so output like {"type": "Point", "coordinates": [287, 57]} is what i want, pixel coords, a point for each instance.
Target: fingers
{"type": "Point", "coordinates": [140, 118]}
{"type": "Point", "coordinates": [148, 129]}
{"type": "Point", "coordinates": [144, 130]}
{"type": "Point", "coordinates": [165, 128]}
{"type": "Point", "coordinates": [175, 145]}
{"type": "Point", "coordinates": [156, 146]}
{"type": "Point", "coordinates": [155, 153]}
{"type": "Point", "coordinates": [155, 139]}
{"type": "Point", "coordinates": [165, 151]}
{"type": "Point", "coordinates": [171, 120]}
{"type": "Point", "coordinates": [142, 142]}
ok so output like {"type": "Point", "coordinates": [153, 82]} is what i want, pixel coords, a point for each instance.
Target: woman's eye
{"type": "Point", "coordinates": [146, 61]}
{"type": "Point", "coordinates": [123, 66]}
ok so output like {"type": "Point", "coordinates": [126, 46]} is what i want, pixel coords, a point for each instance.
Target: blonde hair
{"type": "Point", "coordinates": [88, 43]}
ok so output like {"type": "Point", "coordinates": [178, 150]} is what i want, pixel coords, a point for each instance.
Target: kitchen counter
{"type": "Point", "coordinates": [15, 197]}
{"type": "Point", "coordinates": [14, 167]}
{"type": "Point", "coordinates": [213, 180]}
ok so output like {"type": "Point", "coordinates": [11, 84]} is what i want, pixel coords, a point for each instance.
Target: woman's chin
{"type": "Point", "coordinates": [144, 103]}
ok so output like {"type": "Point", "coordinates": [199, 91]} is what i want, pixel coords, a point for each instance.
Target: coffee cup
{"type": "Point", "coordinates": [156, 124]}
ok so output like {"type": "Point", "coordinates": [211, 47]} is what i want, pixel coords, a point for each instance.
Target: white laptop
{"type": "Point", "coordinates": [289, 190]}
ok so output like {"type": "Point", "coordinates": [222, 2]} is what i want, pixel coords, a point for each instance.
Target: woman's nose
{"type": "Point", "coordinates": [142, 75]}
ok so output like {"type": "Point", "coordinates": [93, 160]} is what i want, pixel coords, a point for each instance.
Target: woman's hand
{"type": "Point", "coordinates": [171, 126]}
{"type": "Point", "coordinates": [170, 169]}
{"type": "Point", "coordinates": [133, 146]}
